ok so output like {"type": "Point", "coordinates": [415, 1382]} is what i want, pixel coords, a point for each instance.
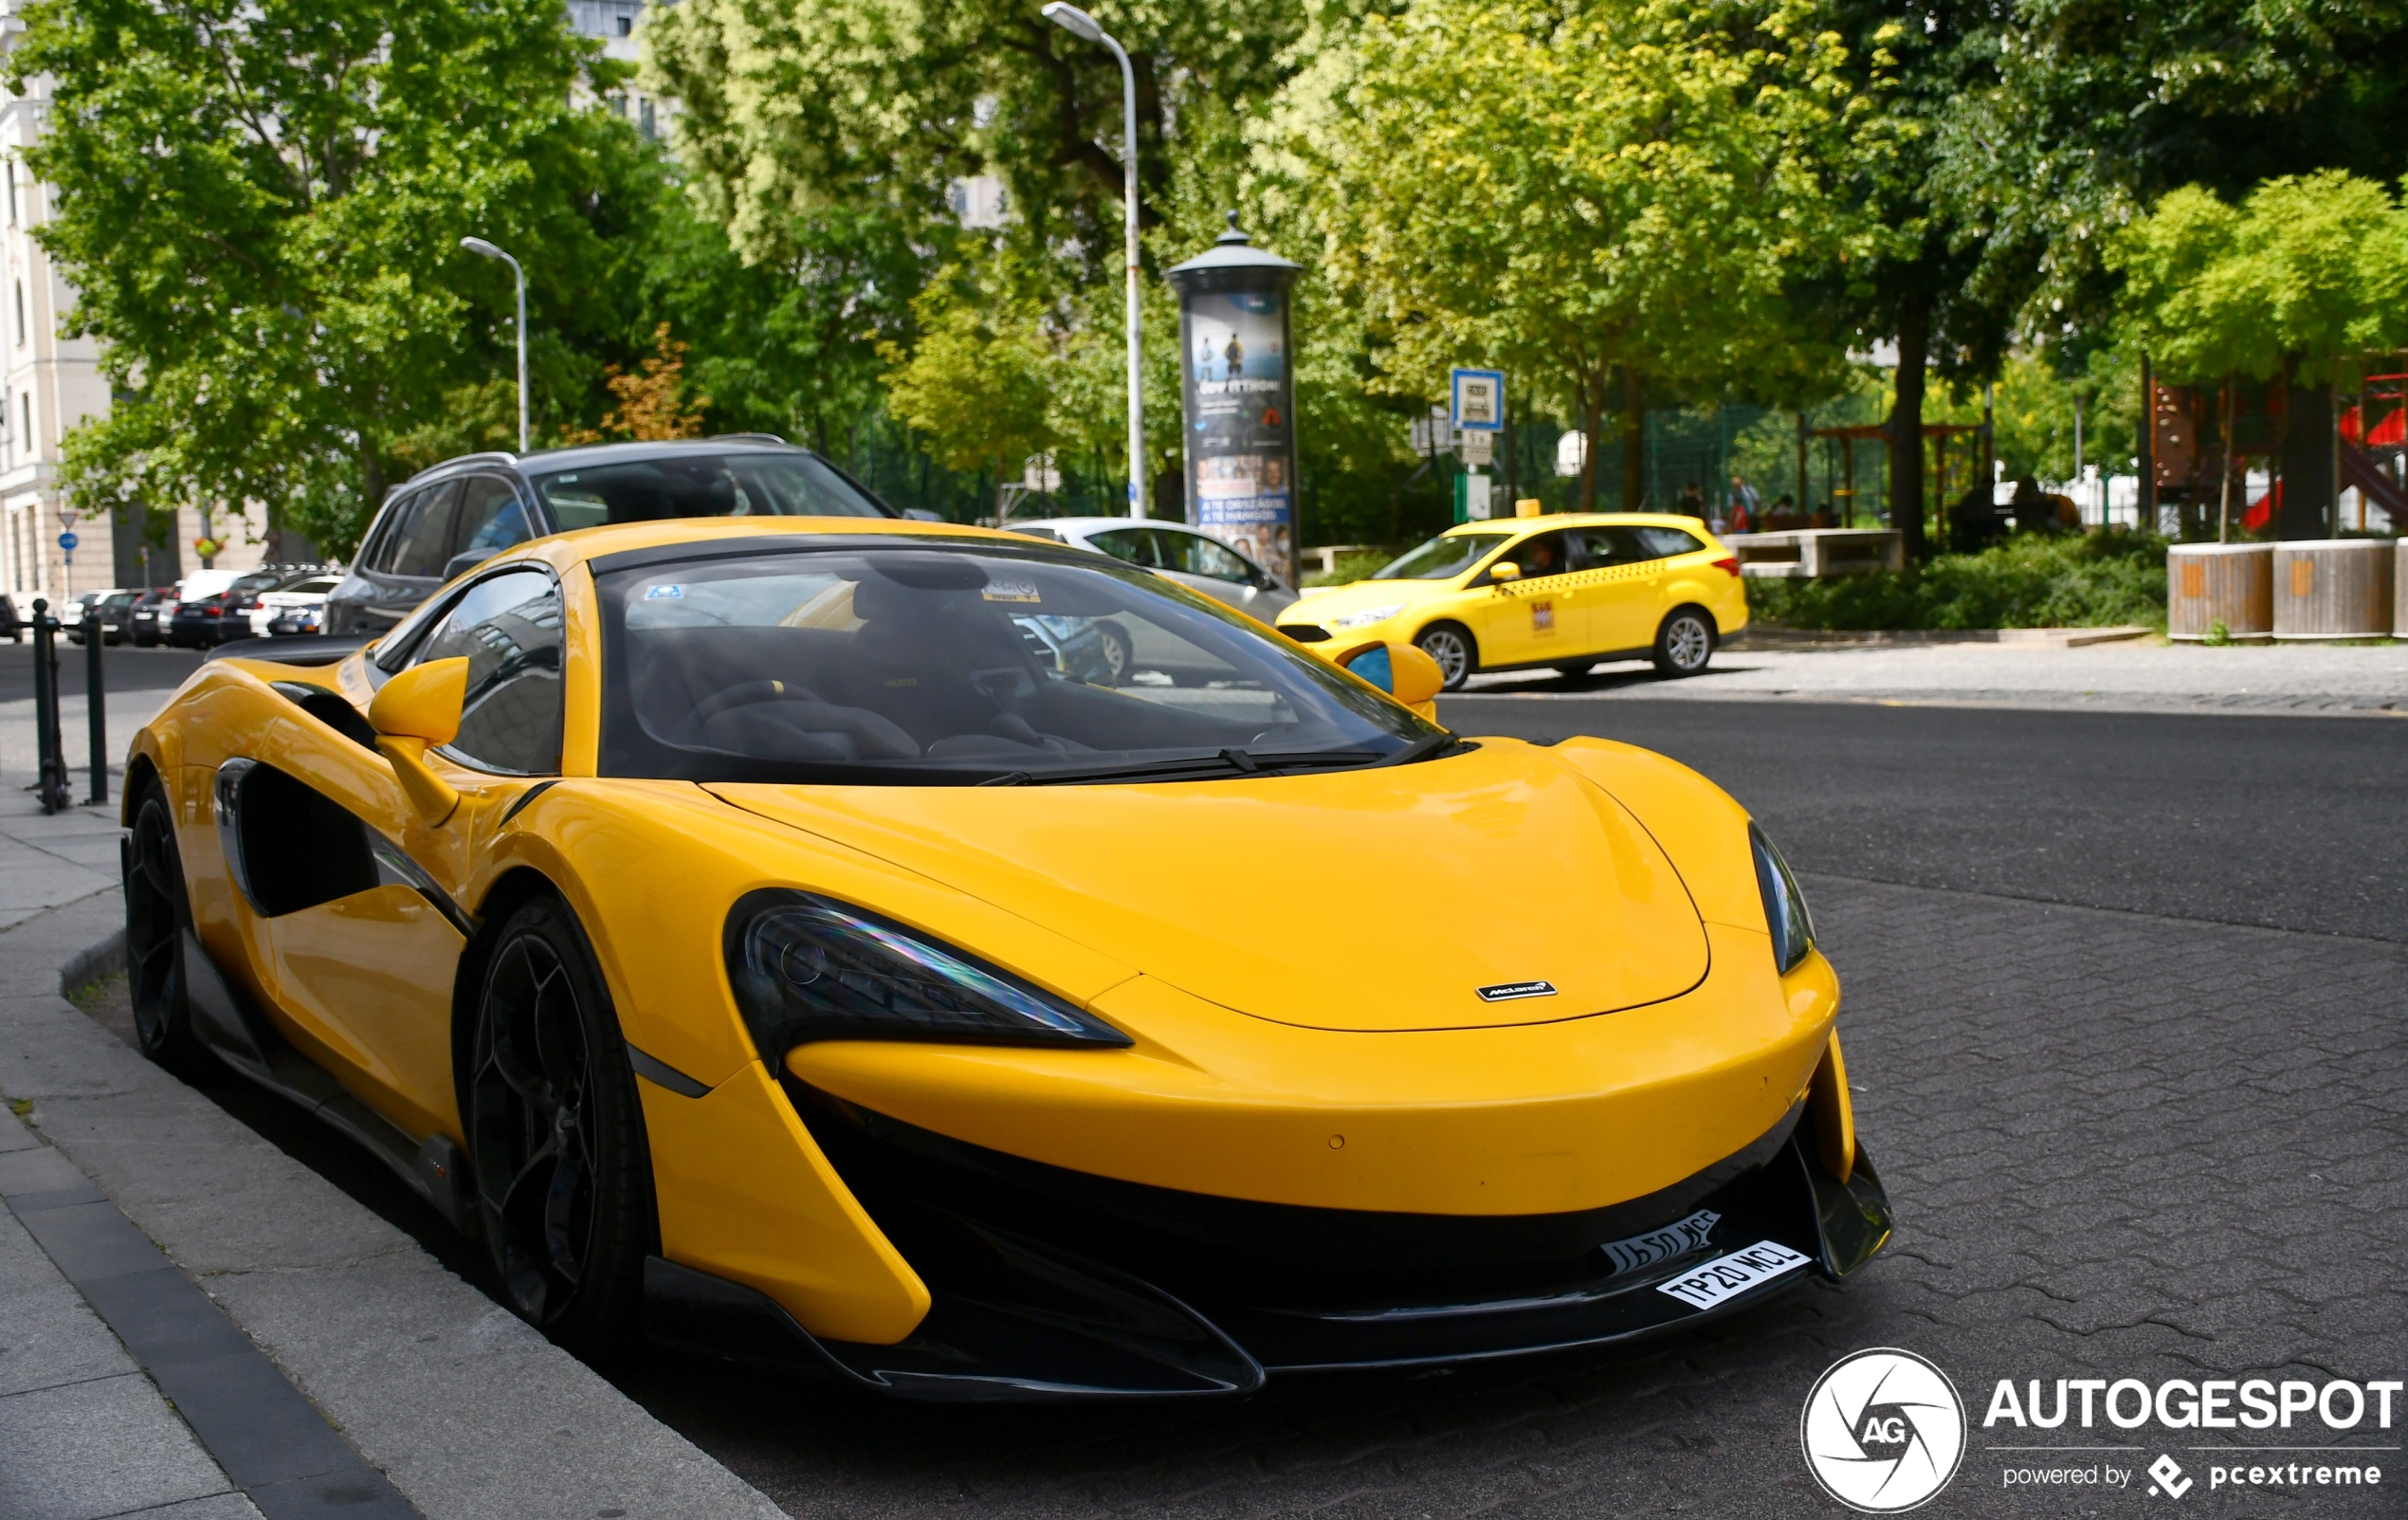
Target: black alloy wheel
{"type": "Point", "coordinates": [1685, 642]}
{"type": "Point", "coordinates": [1450, 645]}
{"type": "Point", "coordinates": [555, 1134]}
{"type": "Point", "coordinates": [155, 914]}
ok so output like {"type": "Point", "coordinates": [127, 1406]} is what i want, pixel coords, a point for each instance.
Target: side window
{"type": "Point", "coordinates": [1662, 544]}
{"type": "Point", "coordinates": [377, 546]}
{"type": "Point", "coordinates": [1543, 554]}
{"type": "Point", "coordinates": [1196, 554]}
{"type": "Point", "coordinates": [1133, 545]}
{"type": "Point", "coordinates": [509, 628]}
{"type": "Point", "coordinates": [419, 543]}
{"type": "Point", "coordinates": [490, 516]}
{"type": "Point", "coordinates": [1614, 546]}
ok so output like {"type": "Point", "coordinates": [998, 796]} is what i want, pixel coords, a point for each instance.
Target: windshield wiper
{"type": "Point", "coordinates": [1229, 762]}
{"type": "Point", "coordinates": [1427, 747]}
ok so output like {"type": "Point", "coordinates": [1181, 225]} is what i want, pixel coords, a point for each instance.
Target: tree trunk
{"type": "Point", "coordinates": [1906, 428]}
{"type": "Point", "coordinates": [2309, 491]}
{"type": "Point", "coordinates": [1592, 434]}
{"type": "Point", "coordinates": [1634, 441]}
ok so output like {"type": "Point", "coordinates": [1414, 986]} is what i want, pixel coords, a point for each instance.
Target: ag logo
{"type": "Point", "coordinates": [1882, 1431]}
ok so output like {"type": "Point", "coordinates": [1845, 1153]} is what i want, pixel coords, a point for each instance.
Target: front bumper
{"type": "Point", "coordinates": [1054, 1284]}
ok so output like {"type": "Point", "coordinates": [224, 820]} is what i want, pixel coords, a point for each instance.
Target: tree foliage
{"type": "Point", "coordinates": [1599, 197]}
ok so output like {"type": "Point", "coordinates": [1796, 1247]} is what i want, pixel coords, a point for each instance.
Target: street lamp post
{"type": "Point", "coordinates": [479, 246]}
{"type": "Point", "coordinates": [1079, 23]}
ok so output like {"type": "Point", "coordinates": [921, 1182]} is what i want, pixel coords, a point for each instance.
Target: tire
{"type": "Point", "coordinates": [1452, 646]}
{"type": "Point", "coordinates": [556, 1136]}
{"type": "Point", "coordinates": [156, 914]}
{"type": "Point", "coordinates": [1685, 641]}
{"type": "Point", "coordinates": [1119, 652]}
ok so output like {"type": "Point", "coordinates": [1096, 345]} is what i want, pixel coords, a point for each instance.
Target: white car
{"type": "Point", "coordinates": [1177, 552]}
{"type": "Point", "coordinates": [310, 593]}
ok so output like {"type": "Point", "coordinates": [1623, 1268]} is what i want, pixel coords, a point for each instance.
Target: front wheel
{"type": "Point", "coordinates": [1120, 654]}
{"type": "Point", "coordinates": [555, 1132]}
{"type": "Point", "coordinates": [155, 914]}
{"type": "Point", "coordinates": [1685, 642]}
{"type": "Point", "coordinates": [1452, 648]}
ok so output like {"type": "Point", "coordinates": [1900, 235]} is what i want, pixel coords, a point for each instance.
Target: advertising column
{"type": "Point", "coordinates": [1237, 383]}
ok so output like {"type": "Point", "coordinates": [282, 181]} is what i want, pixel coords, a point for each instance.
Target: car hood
{"type": "Point", "coordinates": [1383, 899]}
{"type": "Point", "coordinates": [1355, 595]}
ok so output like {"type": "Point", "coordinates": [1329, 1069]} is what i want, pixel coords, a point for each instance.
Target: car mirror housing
{"type": "Point", "coordinates": [1402, 670]}
{"type": "Point", "coordinates": [415, 712]}
{"type": "Point", "coordinates": [1504, 570]}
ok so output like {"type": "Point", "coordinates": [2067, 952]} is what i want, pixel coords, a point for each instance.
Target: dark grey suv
{"type": "Point", "coordinates": [444, 520]}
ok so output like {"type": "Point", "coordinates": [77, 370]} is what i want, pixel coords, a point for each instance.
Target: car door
{"type": "Point", "coordinates": [1530, 619]}
{"type": "Point", "coordinates": [1623, 594]}
{"type": "Point", "coordinates": [1202, 563]}
{"type": "Point", "coordinates": [376, 965]}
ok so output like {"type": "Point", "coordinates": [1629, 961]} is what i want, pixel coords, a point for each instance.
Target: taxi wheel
{"type": "Point", "coordinates": [155, 914]}
{"type": "Point", "coordinates": [1685, 642]}
{"type": "Point", "coordinates": [1451, 646]}
{"type": "Point", "coordinates": [557, 1135]}
{"type": "Point", "coordinates": [1118, 654]}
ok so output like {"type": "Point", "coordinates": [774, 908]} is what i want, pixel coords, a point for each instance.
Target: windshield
{"type": "Point", "coordinates": [1442, 558]}
{"type": "Point", "coordinates": [694, 485]}
{"type": "Point", "coordinates": [921, 665]}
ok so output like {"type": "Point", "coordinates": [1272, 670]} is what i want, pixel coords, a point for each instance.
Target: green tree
{"type": "Point", "coordinates": [2300, 280]}
{"type": "Point", "coordinates": [260, 204]}
{"type": "Point", "coordinates": [977, 383]}
{"type": "Point", "coordinates": [1614, 196]}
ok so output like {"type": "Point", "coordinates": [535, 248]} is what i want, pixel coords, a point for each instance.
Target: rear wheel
{"type": "Point", "coordinates": [1118, 654]}
{"type": "Point", "coordinates": [1451, 645]}
{"type": "Point", "coordinates": [1685, 642]}
{"type": "Point", "coordinates": [556, 1136]}
{"type": "Point", "coordinates": [155, 914]}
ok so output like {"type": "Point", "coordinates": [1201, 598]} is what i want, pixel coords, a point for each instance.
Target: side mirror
{"type": "Point", "coordinates": [1504, 570]}
{"type": "Point", "coordinates": [415, 712]}
{"type": "Point", "coordinates": [1403, 672]}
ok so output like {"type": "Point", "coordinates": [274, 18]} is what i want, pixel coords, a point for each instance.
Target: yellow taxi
{"type": "Point", "coordinates": [1566, 590]}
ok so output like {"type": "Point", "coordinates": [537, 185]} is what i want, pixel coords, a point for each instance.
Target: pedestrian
{"type": "Point", "coordinates": [1745, 506]}
{"type": "Point", "coordinates": [1692, 503]}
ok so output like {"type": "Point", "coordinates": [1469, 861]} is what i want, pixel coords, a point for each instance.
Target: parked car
{"type": "Point", "coordinates": [464, 511]}
{"type": "Point", "coordinates": [1177, 552]}
{"type": "Point", "coordinates": [207, 621]}
{"type": "Point", "coordinates": [12, 626]}
{"type": "Point", "coordinates": [71, 615]}
{"type": "Point", "coordinates": [308, 593]}
{"type": "Point", "coordinates": [146, 623]}
{"type": "Point", "coordinates": [1567, 591]}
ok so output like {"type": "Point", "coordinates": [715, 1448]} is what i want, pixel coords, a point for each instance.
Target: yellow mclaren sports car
{"type": "Point", "coordinates": [1566, 590]}
{"type": "Point", "coordinates": [796, 941]}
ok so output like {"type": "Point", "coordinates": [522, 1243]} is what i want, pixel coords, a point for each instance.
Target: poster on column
{"type": "Point", "coordinates": [1241, 447]}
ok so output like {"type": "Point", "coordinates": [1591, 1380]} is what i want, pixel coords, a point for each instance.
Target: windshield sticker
{"type": "Point", "coordinates": [664, 593]}
{"type": "Point", "coordinates": [1011, 591]}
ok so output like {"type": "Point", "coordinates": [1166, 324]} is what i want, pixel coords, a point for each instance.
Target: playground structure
{"type": "Point", "coordinates": [2203, 444]}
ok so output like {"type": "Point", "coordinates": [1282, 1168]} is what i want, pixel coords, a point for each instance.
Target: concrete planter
{"type": "Point", "coordinates": [2333, 588]}
{"type": "Point", "coordinates": [2211, 583]}
{"type": "Point", "coordinates": [1807, 554]}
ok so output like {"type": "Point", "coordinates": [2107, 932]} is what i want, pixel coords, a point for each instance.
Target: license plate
{"type": "Point", "coordinates": [1735, 1273]}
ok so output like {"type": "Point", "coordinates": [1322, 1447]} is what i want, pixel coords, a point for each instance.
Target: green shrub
{"type": "Point", "coordinates": [2031, 580]}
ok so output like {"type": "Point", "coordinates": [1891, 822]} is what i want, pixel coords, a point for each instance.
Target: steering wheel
{"type": "Point", "coordinates": [743, 694]}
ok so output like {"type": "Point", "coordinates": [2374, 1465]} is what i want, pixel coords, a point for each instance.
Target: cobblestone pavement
{"type": "Point", "coordinates": [2147, 676]}
{"type": "Point", "coordinates": [2121, 1146]}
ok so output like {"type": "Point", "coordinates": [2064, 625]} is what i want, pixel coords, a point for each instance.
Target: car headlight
{"type": "Point", "coordinates": [1784, 905]}
{"type": "Point", "coordinates": [1369, 614]}
{"type": "Point", "coordinates": [808, 968]}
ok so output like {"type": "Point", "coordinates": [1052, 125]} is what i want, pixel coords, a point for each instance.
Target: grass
{"type": "Point", "coordinates": [2031, 580]}
{"type": "Point", "coordinates": [1351, 567]}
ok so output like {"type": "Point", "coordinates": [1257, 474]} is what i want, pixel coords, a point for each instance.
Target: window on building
{"type": "Point", "coordinates": [20, 314]}
{"type": "Point", "coordinates": [24, 407]}
{"type": "Point", "coordinates": [644, 119]}
{"type": "Point", "coordinates": [627, 26]}
{"type": "Point", "coordinates": [13, 193]}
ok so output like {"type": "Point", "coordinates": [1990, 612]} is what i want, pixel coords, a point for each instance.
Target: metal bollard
{"type": "Point", "coordinates": [97, 705]}
{"type": "Point", "coordinates": [51, 785]}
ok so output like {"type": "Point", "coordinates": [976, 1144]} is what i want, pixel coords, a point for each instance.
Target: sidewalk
{"type": "Point", "coordinates": [312, 1358]}
{"type": "Point", "coordinates": [2324, 680]}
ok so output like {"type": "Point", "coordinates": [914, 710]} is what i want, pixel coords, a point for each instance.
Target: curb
{"type": "Point", "coordinates": [410, 1363]}
{"type": "Point", "coordinates": [104, 957]}
{"type": "Point", "coordinates": [1757, 636]}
